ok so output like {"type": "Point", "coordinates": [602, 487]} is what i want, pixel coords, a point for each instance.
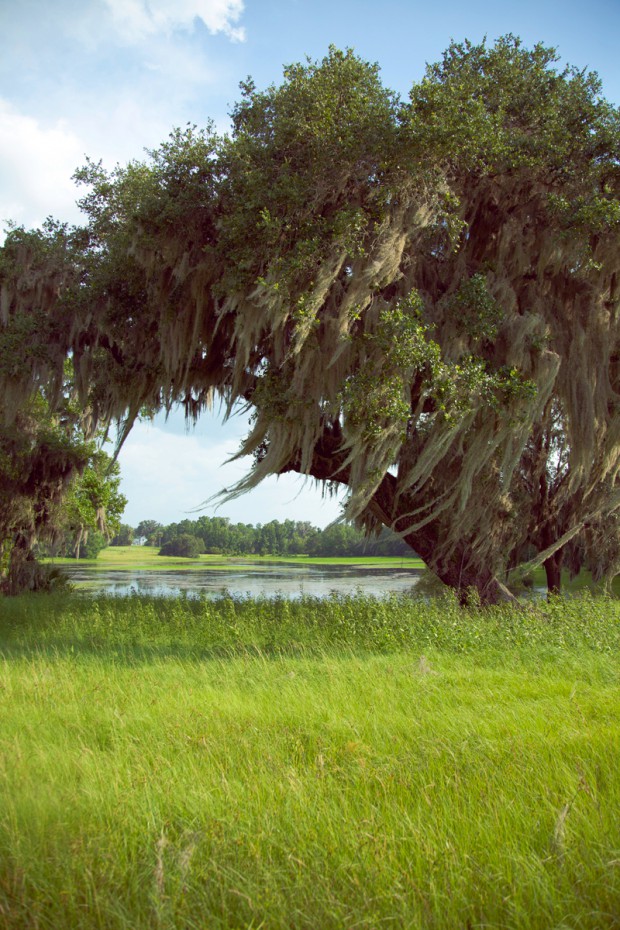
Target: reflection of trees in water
{"type": "Point", "coordinates": [309, 580]}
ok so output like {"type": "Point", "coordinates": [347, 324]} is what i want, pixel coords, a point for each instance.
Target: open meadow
{"type": "Point", "coordinates": [341, 763]}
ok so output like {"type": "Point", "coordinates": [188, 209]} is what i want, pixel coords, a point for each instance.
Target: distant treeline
{"type": "Point", "coordinates": [218, 536]}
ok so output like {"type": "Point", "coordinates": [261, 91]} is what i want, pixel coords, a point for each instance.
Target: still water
{"type": "Point", "coordinates": [283, 580]}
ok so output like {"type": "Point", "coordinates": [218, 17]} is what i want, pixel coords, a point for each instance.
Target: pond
{"type": "Point", "coordinates": [251, 580]}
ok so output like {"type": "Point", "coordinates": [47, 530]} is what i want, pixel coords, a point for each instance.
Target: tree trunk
{"type": "Point", "coordinates": [78, 543]}
{"type": "Point", "coordinates": [473, 583]}
{"type": "Point", "coordinates": [460, 573]}
{"type": "Point", "coordinates": [552, 565]}
{"type": "Point", "coordinates": [24, 571]}
{"type": "Point", "coordinates": [553, 571]}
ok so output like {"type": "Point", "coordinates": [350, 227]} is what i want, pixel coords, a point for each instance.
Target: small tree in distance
{"type": "Point", "coordinates": [185, 545]}
{"type": "Point", "coordinates": [151, 530]}
{"type": "Point", "coordinates": [124, 536]}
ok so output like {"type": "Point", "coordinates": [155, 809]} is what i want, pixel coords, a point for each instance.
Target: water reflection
{"type": "Point", "coordinates": [289, 581]}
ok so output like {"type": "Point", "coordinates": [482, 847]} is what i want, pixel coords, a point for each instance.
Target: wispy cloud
{"type": "Point", "coordinates": [170, 477]}
{"type": "Point", "coordinates": [138, 19]}
{"type": "Point", "coordinates": [103, 78]}
{"type": "Point", "coordinates": [36, 164]}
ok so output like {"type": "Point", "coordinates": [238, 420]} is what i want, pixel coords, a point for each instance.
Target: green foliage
{"type": "Point", "coordinates": [376, 397]}
{"type": "Point", "coordinates": [506, 108]}
{"type": "Point", "coordinates": [175, 186]}
{"type": "Point", "coordinates": [327, 128]}
{"type": "Point", "coordinates": [55, 488]}
{"type": "Point", "coordinates": [184, 545]}
{"type": "Point", "coordinates": [290, 537]}
{"type": "Point", "coordinates": [92, 507]}
{"type": "Point", "coordinates": [475, 309]}
{"type": "Point", "coordinates": [39, 454]}
{"type": "Point", "coordinates": [124, 536]}
{"type": "Point", "coordinates": [148, 529]}
{"type": "Point", "coordinates": [93, 545]}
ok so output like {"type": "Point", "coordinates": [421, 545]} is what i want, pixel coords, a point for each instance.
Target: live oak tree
{"type": "Point", "coordinates": [400, 292]}
{"type": "Point", "coordinates": [39, 457]}
{"type": "Point", "coordinates": [55, 489]}
{"type": "Point", "coordinates": [93, 503]}
{"type": "Point", "coordinates": [53, 478]}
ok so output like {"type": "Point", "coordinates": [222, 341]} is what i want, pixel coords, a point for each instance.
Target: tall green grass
{"type": "Point", "coordinates": [203, 627]}
{"type": "Point", "coordinates": [275, 764]}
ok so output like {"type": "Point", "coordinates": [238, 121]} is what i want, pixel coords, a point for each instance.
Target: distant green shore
{"type": "Point", "coordinates": [147, 557]}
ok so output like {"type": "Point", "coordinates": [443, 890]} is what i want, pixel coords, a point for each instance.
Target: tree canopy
{"type": "Point", "coordinates": [93, 503]}
{"type": "Point", "coordinates": [185, 545]}
{"type": "Point", "coordinates": [408, 296]}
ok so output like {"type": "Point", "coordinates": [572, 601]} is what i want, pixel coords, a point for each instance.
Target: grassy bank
{"type": "Point", "coordinates": [314, 764]}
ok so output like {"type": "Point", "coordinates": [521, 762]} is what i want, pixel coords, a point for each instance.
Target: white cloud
{"type": "Point", "coordinates": [167, 476]}
{"type": "Point", "coordinates": [104, 78]}
{"type": "Point", "coordinates": [179, 468]}
{"type": "Point", "coordinates": [139, 19]}
{"type": "Point", "coordinates": [181, 65]}
{"type": "Point", "coordinates": [36, 164]}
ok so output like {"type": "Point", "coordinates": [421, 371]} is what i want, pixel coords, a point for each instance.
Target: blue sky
{"type": "Point", "coordinates": [108, 78]}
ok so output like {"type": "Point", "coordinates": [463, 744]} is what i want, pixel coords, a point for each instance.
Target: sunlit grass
{"type": "Point", "coordinates": [322, 764]}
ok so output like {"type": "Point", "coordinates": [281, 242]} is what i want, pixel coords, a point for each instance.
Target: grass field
{"type": "Point", "coordinates": [347, 763]}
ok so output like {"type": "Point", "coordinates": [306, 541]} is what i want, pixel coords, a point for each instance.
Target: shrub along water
{"type": "Point", "coordinates": [352, 762]}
